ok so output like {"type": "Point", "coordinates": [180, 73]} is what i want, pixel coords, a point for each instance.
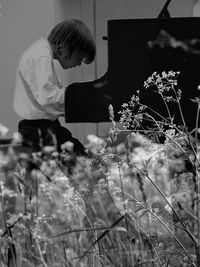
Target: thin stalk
{"type": "Point", "coordinates": [87, 230]}
{"type": "Point", "coordinates": [177, 144]}
{"type": "Point", "coordinates": [179, 106]}
{"type": "Point", "coordinates": [158, 114]}
{"type": "Point", "coordinates": [197, 247]}
{"type": "Point", "coordinates": [40, 253]}
{"type": "Point", "coordinates": [192, 215]}
{"type": "Point", "coordinates": [197, 188]}
{"type": "Point", "coordinates": [167, 108]}
{"type": "Point", "coordinates": [185, 127]}
{"type": "Point", "coordinates": [64, 170]}
{"type": "Point", "coordinates": [2, 261]}
{"type": "Point", "coordinates": [94, 230]}
{"type": "Point", "coordinates": [163, 195]}
{"type": "Point", "coordinates": [124, 205]}
{"type": "Point", "coordinates": [140, 240]}
{"type": "Point", "coordinates": [168, 229]}
{"type": "Point", "coordinates": [171, 139]}
{"type": "Point", "coordinates": [7, 230]}
{"type": "Point", "coordinates": [155, 251]}
{"type": "Point", "coordinates": [148, 236]}
{"type": "Point", "coordinates": [197, 125]}
{"type": "Point", "coordinates": [183, 120]}
{"type": "Point", "coordinates": [123, 199]}
{"type": "Point", "coordinates": [166, 121]}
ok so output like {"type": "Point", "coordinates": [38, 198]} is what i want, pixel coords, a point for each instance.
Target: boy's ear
{"type": "Point", "coordinates": [64, 52]}
{"type": "Point", "coordinates": [59, 52]}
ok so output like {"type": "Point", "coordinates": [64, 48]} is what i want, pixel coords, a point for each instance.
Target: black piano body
{"type": "Point", "coordinates": [130, 62]}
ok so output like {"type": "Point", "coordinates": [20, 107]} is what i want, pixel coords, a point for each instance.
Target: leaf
{"type": "Point", "coordinates": [159, 210]}
{"type": "Point", "coordinates": [102, 236]}
{"type": "Point", "coordinates": [138, 209]}
{"type": "Point", "coordinates": [143, 213]}
{"type": "Point", "coordinates": [120, 229]}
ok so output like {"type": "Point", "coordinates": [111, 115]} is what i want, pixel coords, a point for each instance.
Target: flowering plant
{"type": "Point", "coordinates": [129, 203]}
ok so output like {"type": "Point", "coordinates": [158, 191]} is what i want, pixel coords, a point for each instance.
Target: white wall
{"type": "Point", "coordinates": [23, 21]}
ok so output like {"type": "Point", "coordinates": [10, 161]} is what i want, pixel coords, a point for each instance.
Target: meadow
{"type": "Point", "coordinates": [129, 203]}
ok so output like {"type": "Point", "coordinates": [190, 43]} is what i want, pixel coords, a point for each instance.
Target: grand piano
{"type": "Point", "coordinates": [131, 60]}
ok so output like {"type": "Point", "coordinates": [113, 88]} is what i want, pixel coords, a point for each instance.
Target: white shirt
{"type": "Point", "coordinates": [38, 92]}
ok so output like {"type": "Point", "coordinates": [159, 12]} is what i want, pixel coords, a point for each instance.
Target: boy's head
{"type": "Point", "coordinates": [72, 42]}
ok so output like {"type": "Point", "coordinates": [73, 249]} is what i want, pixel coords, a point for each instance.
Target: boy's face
{"type": "Point", "coordinates": [71, 61]}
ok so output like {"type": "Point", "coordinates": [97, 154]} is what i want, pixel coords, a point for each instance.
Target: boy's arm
{"type": "Point", "coordinates": [48, 92]}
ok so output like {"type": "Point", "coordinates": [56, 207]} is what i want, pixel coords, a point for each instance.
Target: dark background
{"type": "Point", "coordinates": [131, 62]}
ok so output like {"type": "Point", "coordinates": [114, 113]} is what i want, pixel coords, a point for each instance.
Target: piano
{"type": "Point", "coordinates": [131, 60]}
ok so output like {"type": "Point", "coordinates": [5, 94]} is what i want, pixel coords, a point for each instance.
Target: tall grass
{"type": "Point", "coordinates": [135, 203]}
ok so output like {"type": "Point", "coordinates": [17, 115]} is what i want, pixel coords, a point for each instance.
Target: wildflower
{"type": "Point", "coordinates": [48, 149]}
{"type": "Point", "coordinates": [96, 144]}
{"type": "Point", "coordinates": [111, 112]}
{"type": "Point", "coordinates": [94, 139]}
{"type": "Point", "coordinates": [4, 160]}
{"type": "Point", "coordinates": [113, 133]}
{"type": "Point", "coordinates": [67, 146]}
{"type": "Point", "coordinates": [17, 138]}
{"type": "Point", "coordinates": [111, 115]}
{"type": "Point", "coordinates": [124, 105]}
{"type": "Point", "coordinates": [170, 134]}
{"type": "Point", "coordinates": [164, 74]}
{"type": "Point", "coordinates": [196, 100]}
{"type": "Point", "coordinates": [3, 130]}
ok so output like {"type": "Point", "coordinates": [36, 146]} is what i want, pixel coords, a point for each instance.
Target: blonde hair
{"type": "Point", "coordinates": [74, 35]}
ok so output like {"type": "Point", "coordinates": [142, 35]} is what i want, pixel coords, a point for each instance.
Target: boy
{"type": "Point", "coordinates": [39, 96]}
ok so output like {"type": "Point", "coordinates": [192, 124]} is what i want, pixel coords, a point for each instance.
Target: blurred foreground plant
{"type": "Point", "coordinates": [133, 203]}
{"type": "Point", "coordinates": [177, 150]}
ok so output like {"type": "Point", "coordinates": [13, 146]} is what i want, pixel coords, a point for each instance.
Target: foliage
{"type": "Point", "coordinates": [133, 203]}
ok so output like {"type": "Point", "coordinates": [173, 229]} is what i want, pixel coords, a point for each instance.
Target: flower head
{"type": "Point", "coordinates": [3, 130]}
